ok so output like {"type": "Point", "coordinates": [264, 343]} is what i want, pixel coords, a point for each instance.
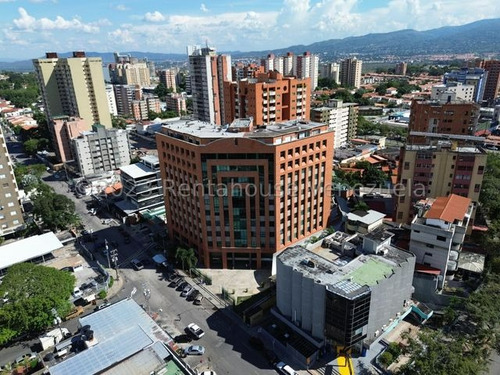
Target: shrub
{"type": "Point", "coordinates": [386, 358]}
{"type": "Point", "coordinates": [102, 294]}
{"type": "Point", "coordinates": [111, 281]}
{"type": "Point", "coordinates": [394, 349]}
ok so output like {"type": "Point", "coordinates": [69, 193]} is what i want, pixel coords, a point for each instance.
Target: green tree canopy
{"type": "Point", "coordinates": [55, 210]}
{"type": "Point", "coordinates": [187, 257]}
{"type": "Point", "coordinates": [32, 292]}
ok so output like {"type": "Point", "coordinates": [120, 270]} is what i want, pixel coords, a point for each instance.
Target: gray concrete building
{"type": "Point", "coordinates": [101, 150]}
{"type": "Point", "coordinates": [345, 301]}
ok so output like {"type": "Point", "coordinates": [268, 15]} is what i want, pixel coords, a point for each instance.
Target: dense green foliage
{"type": "Point", "coordinates": [32, 292]}
{"type": "Point", "coordinates": [371, 176]}
{"type": "Point", "coordinates": [366, 127]}
{"type": "Point", "coordinates": [28, 176]}
{"type": "Point", "coordinates": [328, 83]}
{"type": "Point", "coordinates": [162, 91]}
{"type": "Point", "coordinates": [402, 86]}
{"type": "Point", "coordinates": [56, 211]}
{"type": "Point", "coordinates": [118, 122]}
{"type": "Point", "coordinates": [163, 115]}
{"type": "Point", "coordinates": [20, 88]}
{"type": "Point", "coordinates": [347, 97]}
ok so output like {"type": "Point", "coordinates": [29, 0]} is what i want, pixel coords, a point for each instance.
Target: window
{"type": "Point", "coordinates": [441, 238]}
{"type": "Point", "coordinates": [480, 169]}
{"type": "Point", "coordinates": [2, 176]}
{"type": "Point", "coordinates": [8, 195]}
{"type": "Point", "coordinates": [428, 254]}
{"type": "Point", "coordinates": [430, 246]}
{"type": "Point", "coordinates": [407, 165]}
{"type": "Point", "coordinates": [10, 204]}
{"type": "Point", "coordinates": [13, 213]}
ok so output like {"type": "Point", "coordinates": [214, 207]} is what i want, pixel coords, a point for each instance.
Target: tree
{"type": "Point", "coordinates": [55, 210]}
{"type": "Point", "coordinates": [31, 146]}
{"type": "Point", "coordinates": [187, 257]}
{"type": "Point", "coordinates": [118, 122]}
{"type": "Point", "coordinates": [361, 206]}
{"type": "Point", "coordinates": [32, 292]}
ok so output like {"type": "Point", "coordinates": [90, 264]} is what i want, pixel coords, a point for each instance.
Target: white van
{"type": "Point", "coordinates": [284, 369]}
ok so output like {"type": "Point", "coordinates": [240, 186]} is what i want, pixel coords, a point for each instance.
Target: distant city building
{"type": "Point", "coordinates": [469, 76]}
{"type": "Point", "coordinates": [73, 86]}
{"type": "Point", "coordinates": [331, 71]}
{"type": "Point", "coordinates": [101, 150]}
{"type": "Point", "coordinates": [110, 94]}
{"type": "Point", "coordinates": [208, 71]}
{"type": "Point", "coordinates": [168, 77]}
{"type": "Point", "coordinates": [307, 66]}
{"type": "Point", "coordinates": [153, 104]}
{"type": "Point", "coordinates": [401, 68]}
{"type": "Point", "coordinates": [141, 185]}
{"type": "Point", "coordinates": [458, 118]}
{"type": "Point", "coordinates": [129, 70]}
{"type": "Point", "coordinates": [64, 129]}
{"type": "Point", "coordinates": [438, 231]}
{"type": "Point", "coordinates": [437, 171]}
{"type": "Point", "coordinates": [345, 302]}
{"type": "Point", "coordinates": [342, 118]}
{"type": "Point", "coordinates": [452, 92]}
{"type": "Point", "coordinates": [139, 110]}
{"type": "Point", "coordinates": [11, 213]}
{"type": "Point", "coordinates": [177, 103]}
{"type": "Point", "coordinates": [241, 71]}
{"type": "Point", "coordinates": [350, 72]}
{"type": "Point", "coordinates": [268, 98]}
{"type": "Point", "coordinates": [125, 95]}
{"type": "Point", "coordinates": [492, 89]}
{"type": "Point", "coordinates": [290, 165]}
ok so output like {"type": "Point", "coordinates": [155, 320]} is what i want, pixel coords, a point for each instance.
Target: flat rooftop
{"type": "Point", "coordinates": [28, 248]}
{"type": "Point", "coordinates": [138, 170]}
{"type": "Point", "coordinates": [445, 145]}
{"type": "Point", "coordinates": [349, 278]}
{"type": "Point", "coordinates": [206, 130]}
{"type": "Point", "coordinates": [365, 217]}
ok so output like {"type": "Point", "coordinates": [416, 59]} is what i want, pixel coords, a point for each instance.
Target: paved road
{"type": "Point", "coordinates": [226, 343]}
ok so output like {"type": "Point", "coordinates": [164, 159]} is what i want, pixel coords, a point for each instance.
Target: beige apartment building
{"type": "Point", "coordinates": [11, 213]}
{"type": "Point", "coordinates": [350, 72]}
{"type": "Point", "coordinates": [239, 195]}
{"type": "Point", "coordinates": [437, 171]}
{"type": "Point", "coordinates": [74, 87]}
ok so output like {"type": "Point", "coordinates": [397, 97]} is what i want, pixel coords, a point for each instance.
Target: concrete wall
{"type": "Point", "coordinates": [389, 295]}
{"type": "Point", "coordinates": [301, 300]}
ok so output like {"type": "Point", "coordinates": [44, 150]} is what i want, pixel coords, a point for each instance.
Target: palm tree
{"type": "Point", "coordinates": [187, 257]}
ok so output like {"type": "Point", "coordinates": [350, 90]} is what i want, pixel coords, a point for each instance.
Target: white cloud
{"type": "Point", "coordinates": [122, 7]}
{"type": "Point", "coordinates": [6, 1]}
{"type": "Point", "coordinates": [203, 8]}
{"type": "Point", "coordinates": [154, 17]}
{"type": "Point", "coordinates": [120, 36]}
{"type": "Point", "coordinates": [29, 23]}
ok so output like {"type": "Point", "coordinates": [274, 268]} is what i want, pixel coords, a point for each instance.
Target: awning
{"type": "Point", "coordinates": [427, 269]}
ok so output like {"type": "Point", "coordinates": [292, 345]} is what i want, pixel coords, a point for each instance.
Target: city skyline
{"type": "Point", "coordinates": [30, 28]}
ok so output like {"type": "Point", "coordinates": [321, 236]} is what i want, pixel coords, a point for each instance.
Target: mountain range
{"type": "Point", "coordinates": [478, 37]}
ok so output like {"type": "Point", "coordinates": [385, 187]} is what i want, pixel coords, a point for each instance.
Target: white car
{"type": "Point", "coordinates": [77, 293]}
{"type": "Point", "coordinates": [26, 357]}
{"type": "Point", "coordinates": [207, 373]}
{"type": "Point", "coordinates": [284, 369]}
{"type": "Point", "coordinates": [195, 330]}
{"type": "Point", "coordinates": [194, 350]}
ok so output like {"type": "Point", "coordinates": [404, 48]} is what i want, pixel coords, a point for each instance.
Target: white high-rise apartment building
{"type": "Point", "coordinates": [330, 70]}
{"type": "Point", "coordinates": [110, 94]}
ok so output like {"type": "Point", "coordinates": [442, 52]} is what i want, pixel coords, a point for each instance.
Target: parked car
{"type": "Point", "coordinates": [194, 330]}
{"type": "Point", "coordinates": [198, 299]}
{"type": "Point", "coordinates": [175, 283]}
{"type": "Point", "coordinates": [284, 369]}
{"type": "Point", "coordinates": [182, 285]}
{"type": "Point", "coordinates": [183, 338]}
{"type": "Point", "coordinates": [194, 350]}
{"type": "Point", "coordinates": [191, 296]}
{"type": "Point", "coordinates": [207, 373]}
{"type": "Point", "coordinates": [102, 306]}
{"type": "Point", "coordinates": [26, 357]}
{"type": "Point", "coordinates": [173, 276]}
{"type": "Point", "coordinates": [67, 269]}
{"type": "Point", "coordinates": [77, 293]}
{"type": "Point", "coordinates": [186, 291]}
{"type": "Point", "coordinates": [137, 264]}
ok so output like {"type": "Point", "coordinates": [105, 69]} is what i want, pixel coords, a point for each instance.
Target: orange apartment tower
{"type": "Point", "coordinates": [239, 195]}
{"type": "Point", "coordinates": [269, 98]}
{"type": "Point", "coordinates": [492, 87]}
{"type": "Point", "coordinates": [427, 117]}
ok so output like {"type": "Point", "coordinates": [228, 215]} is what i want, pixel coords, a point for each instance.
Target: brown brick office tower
{"type": "Point", "coordinates": [240, 194]}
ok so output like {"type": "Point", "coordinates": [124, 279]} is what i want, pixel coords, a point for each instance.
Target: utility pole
{"type": "Point", "coordinates": [107, 253]}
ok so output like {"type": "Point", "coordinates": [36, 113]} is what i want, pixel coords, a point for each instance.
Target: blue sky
{"type": "Point", "coordinates": [29, 28]}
